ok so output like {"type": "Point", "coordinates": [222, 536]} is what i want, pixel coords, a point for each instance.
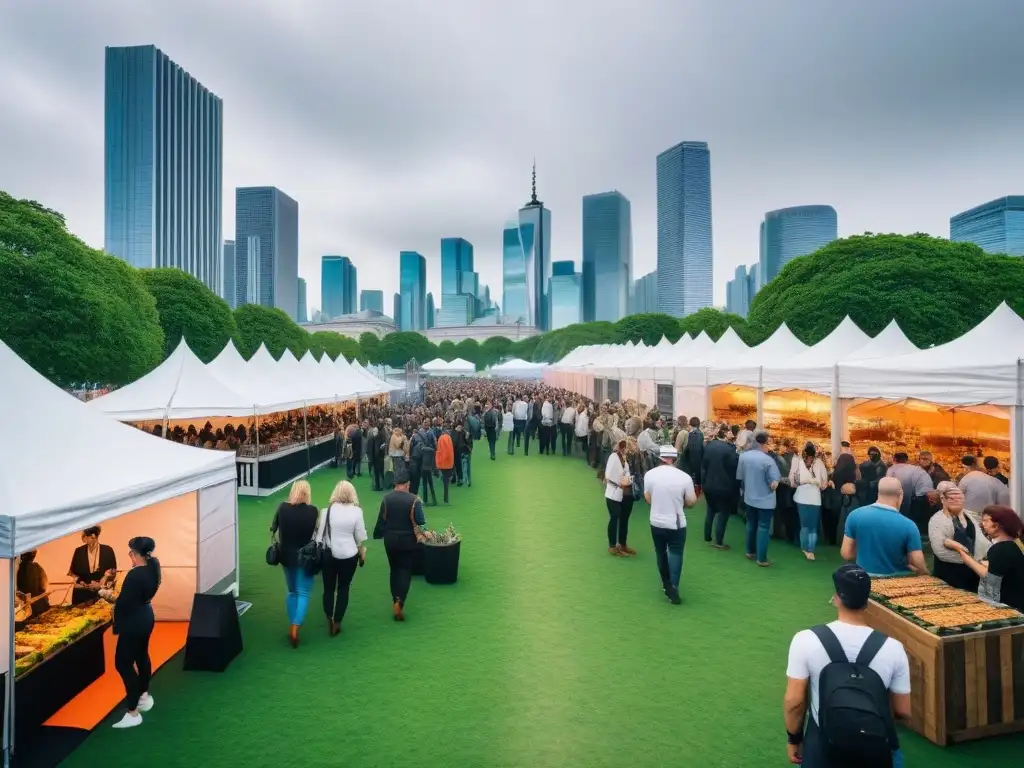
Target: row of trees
{"type": "Point", "coordinates": [81, 316]}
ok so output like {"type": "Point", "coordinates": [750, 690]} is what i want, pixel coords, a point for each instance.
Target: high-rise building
{"type": "Point", "coordinates": [397, 310]}
{"type": "Point", "coordinates": [607, 256]}
{"type": "Point", "coordinates": [431, 311]}
{"type": "Point", "coordinates": [227, 283]}
{"type": "Point", "coordinates": [163, 165]}
{"type": "Point", "coordinates": [337, 286]}
{"type": "Point", "coordinates": [535, 241]}
{"type": "Point", "coordinates": [685, 257]}
{"type": "Point", "coordinates": [372, 300]}
{"type": "Point", "coordinates": [459, 283]}
{"type": "Point", "coordinates": [513, 268]}
{"type": "Point", "coordinates": [996, 226]}
{"type": "Point", "coordinates": [300, 312]}
{"type": "Point", "coordinates": [565, 295]}
{"type": "Point", "coordinates": [645, 294]}
{"type": "Point", "coordinates": [792, 232]}
{"type": "Point", "coordinates": [266, 248]}
{"type": "Point", "coordinates": [412, 279]}
{"type": "Point", "coordinates": [754, 283]}
{"type": "Point", "coordinates": [737, 292]}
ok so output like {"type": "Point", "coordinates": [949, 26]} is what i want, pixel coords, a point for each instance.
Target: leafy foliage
{"type": "Point", "coordinates": [399, 348]}
{"type": "Point", "coordinates": [649, 328]}
{"type": "Point", "coordinates": [75, 314]}
{"type": "Point", "coordinates": [188, 308]}
{"type": "Point", "coordinates": [714, 323]}
{"type": "Point", "coordinates": [555, 345]}
{"type": "Point", "coordinates": [370, 345]}
{"type": "Point", "coordinates": [468, 350]}
{"type": "Point", "coordinates": [935, 289]}
{"type": "Point", "coordinates": [493, 350]}
{"type": "Point", "coordinates": [263, 325]}
{"type": "Point", "coordinates": [526, 348]}
{"type": "Point", "coordinates": [446, 350]}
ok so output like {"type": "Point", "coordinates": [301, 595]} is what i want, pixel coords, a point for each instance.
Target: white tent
{"type": "Point", "coordinates": [67, 467]}
{"type": "Point", "coordinates": [746, 369]}
{"type": "Point", "coordinates": [378, 384]}
{"type": "Point", "coordinates": [517, 368]}
{"type": "Point", "coordinates": [813, 370]}
{"type": "Point", "coordinates": [437, 365]}
{"type": "Point", "coordinates": [258, 380]}
{"type": "Point", "coordinates": [181, 387]}
{"type": "Point", "coordinates": [360, 383]}
{"type": "Point", "coordinates": [460, 367]}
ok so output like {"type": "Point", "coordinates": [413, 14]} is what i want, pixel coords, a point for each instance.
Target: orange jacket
{"type": "Point", "coordinates": [445, 456]}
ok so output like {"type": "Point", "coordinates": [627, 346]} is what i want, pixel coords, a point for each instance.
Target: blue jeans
{"type": "Point", "coordinates": [467, 468]}
{"type": "Point", "coordinates": [668, 550]}
{"type": "Point", "coordinates": [759, 523]}
{"type": "Point", "coordinates": [810, 520]}
{"type": "Point", "coordinates": [299, 583]}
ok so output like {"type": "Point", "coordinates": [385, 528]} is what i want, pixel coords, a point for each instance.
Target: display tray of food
{"type": "Point", "coordinates": [46, 634]}
{"type": "Point", "coordinates": [939, 608]}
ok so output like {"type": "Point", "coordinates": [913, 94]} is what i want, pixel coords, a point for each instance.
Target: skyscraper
{"type": "Point", "coordinates": [535, 240]}
{"type": "Point", "coordinates": [266, 248]}
{"type": "Point", "coordinates": [300, 313]}
{"type": "Point", "coordinates": [163, 165]}
{"type": "Point", "coordinates": [607, 256]}
{"type": "Point", "coordinates": [737, 292]}
{"type": "Point", "coordinates": [372, 300]}
{"type": "Point", "coordinates": [565, 295]}
{"type": "Point", "coordinates": [227, 283]}
{"type": "Point", "coordinates": [645, 294]}
{"type": "Point", "coordinates": [513, 268]}
{"type": "Point", "coordinates": [431, 311]}
{"type": "Point", "coordinates": [337, 286]}
{"type": "Point", "coordinates": [412, 279]}
{"type": "Point", "coordinates": [754, 283]}
{"type": "Point", "coordinates": [685, 258]}
{"type": "Point", "coordinates": [996, 226]}
{"type": "Point", "coordinates": [459, 283]}
{"type": "Point", "coordinates": [792, 232]}
{"type": "Point", "coordinates": [397, 310]}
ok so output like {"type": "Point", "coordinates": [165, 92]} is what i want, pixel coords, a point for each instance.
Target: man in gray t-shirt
{"type": "Point", "coordinates": [759, 476]}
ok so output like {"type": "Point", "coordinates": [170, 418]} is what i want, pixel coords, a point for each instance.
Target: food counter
{"type": "Point", "coordinates": [272, 471]}
{"type": "Point", "coordinates": [966, 657]}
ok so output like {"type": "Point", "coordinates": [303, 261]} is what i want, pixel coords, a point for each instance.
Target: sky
{"type": "Point", "coordinates": [398, 122]}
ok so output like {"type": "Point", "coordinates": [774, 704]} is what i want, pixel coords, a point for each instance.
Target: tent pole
{"type": "Point", "coordinates": [9, 720]}
{"type": "Point", "coordinates": [256, 464]}
{"type": "Point", "coordinates": [760, 398]}
{"type": "Point", "coordinates": [1017, 444]}
{"type": "Point", "coordinates": [305, 436]}
{"type": "Point", "coordinates": [836, 417]}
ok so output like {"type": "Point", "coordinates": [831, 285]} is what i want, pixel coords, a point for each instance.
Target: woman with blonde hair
{"type": "Point", "coordinates": [343, 530]}
{"type": "Point", "coordinates": [293, 526]}
{"type": "Point", "coordinates": [398, 453]}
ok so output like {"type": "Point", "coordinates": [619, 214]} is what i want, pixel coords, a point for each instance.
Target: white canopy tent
{"type": "Point", "coordinates": [258, 379]}
{"type": "Point", "coordinates": [460, 367]}
{"type": "Point", "coordinates": [101, 472]}
{"type": "Point", "coordinates": [517, 368]}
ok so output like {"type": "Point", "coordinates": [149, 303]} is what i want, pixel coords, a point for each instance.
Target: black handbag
{"type": "Point", "coordinates": [313, 556]}
{"type": "Point", "coordinates": [273, 554]}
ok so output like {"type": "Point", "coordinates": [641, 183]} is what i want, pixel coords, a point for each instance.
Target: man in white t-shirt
{"type": "Point", "coordinates": [669, 491]}
{"type": "Point", "coordinates": [808, 657]}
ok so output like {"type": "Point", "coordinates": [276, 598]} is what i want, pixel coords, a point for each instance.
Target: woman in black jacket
{"type": "Point", "coordinates": [133, 625]}
{"type": "Point", "coordinates": [294, 524]}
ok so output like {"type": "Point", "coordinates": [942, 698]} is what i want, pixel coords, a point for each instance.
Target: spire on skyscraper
{"type": "Point", "coordinates": [533, 197]}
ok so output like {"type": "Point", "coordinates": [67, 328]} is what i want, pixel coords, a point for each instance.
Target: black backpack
{"type": "Point", "coordinates": [854, 714]}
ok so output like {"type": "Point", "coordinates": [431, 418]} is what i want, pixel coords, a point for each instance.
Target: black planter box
{"type": "Point", "coordinates": [441, 564]}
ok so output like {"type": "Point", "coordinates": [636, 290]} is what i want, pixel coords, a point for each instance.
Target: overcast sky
{"type": "Point", "coordinates": [396, 122]}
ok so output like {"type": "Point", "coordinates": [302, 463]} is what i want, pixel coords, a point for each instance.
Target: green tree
{"type": "Point", "coordinates": [555, 345]}
{"type": "Point", "coordinates": [351, 350]}
{"type": "Point", "coordinates": [399, 348]}
{"type": "Point", "coordinates": [263, 325]}
{"type": "Point", "coordinates": [936, 290]}
{"type": "Point", "coordinates": [493, 350]}
{"type": "Point", "coordinates": [326, 343]}
{"type": "Point", "coordinates": [526, 348]}
{"type": "Point", "coordinates": [713, 322]}
{"type": "Point", "coordinates": [468, 350]}
{"type": "Point", "coordinates": [75, 314]}
{"type": "Point", "coordinates": [369, 343]}
{"type": "Point", "coordinates": [188, 308]}
{"type": "Point", "coordinates": [446, 350]}
{"type": "Point", "coordinates": [649, 328]}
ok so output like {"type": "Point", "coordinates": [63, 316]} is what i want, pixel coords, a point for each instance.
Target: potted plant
{"type": "Point", "coordinates": [441, 556]}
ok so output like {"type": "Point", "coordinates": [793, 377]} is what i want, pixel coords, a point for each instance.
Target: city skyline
{"type": "Point", "coordinates": [876, 162]}
{"type": "Point", "coordinates": [266, 249]}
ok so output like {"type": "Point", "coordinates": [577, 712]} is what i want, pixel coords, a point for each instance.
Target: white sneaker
{"type": "Point", "coordinates": [128, 721]}
{"type": "Point", "coordinates": [145, 703]}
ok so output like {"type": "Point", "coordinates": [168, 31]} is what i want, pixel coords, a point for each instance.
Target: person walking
{"type": "Point", "coordinates": [582, 428]}
{"type": "Point", "coordinates": [508, 424]}
{"type": "Point", "coordinates": [400, 522]}
{"type": "Point", "coordinates": [669, 491]}
{"type": "Point", "coordinates": [566, 426]}
{"type": "Point", "coordinates": [343, 529]}
{"type": "Point", "coordinates": [492, 426]}
{"type": "Point", "coordinates": [759, 476]}
{"type": "Point", "coordinates": [808, 477]}
{"type": "Point", "coordinates": [445, 458]}
{"type": "Point", "coordinates": [618, 496]}
{"type": "Point", "coordinates": [692, 459]}
{"type": "Point", "coordinates": [718, 470]}
{"type": "Point", "coordinates": [547, 427]}
{"type": "Point", "coordinates": [294, 524]}
{"type": "Point", "coordinates": [521, 412]}
{"type": "Point", "coordinates": [463, 442]}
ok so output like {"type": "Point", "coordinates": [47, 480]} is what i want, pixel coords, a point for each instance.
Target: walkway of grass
{"type": "Point", "coordinates": [548, 652]}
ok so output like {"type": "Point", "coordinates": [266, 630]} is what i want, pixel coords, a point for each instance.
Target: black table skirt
{"type": "Point", "coordinates": [275, 470]}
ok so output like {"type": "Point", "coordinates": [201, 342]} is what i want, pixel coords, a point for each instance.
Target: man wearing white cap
{"type": "Point", "coordinates": [669, 491]}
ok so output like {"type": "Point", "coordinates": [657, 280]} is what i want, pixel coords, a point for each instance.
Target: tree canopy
{"type": "Point", "coordinates": [936, 290]}
{"type": "Point", "coordinates": [399, 348]}
{"type": "Point", "coordinates": [446, 351]}
{"type": "Point", "coordinates": [555, 345]}
{"type": "Point", "coordinates": [188, 308]}
{"type": "Point", "coordinates": [649, 328]}
{"type": "Point", "coordinates": [493, 350]}
{"type": "Point", "coordinates": [263, 325]}
{"type": "Point", "coordinates": [468, 350]}
{"type": "Point", "coordinates": [75, 314]}
{"type": "Point", "coordinates": [713, 322]}
{"type": "Point", "coordinates": [369, 344]}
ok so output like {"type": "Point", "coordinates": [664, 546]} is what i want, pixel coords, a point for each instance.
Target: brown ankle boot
{"type": "Point", "coordinates": [614, 551]}
{"type": "Point", "coordinates": [293, 635]}
{"type": "Point", "coordinates": [627, 551]}
{"type": "Point", "coordinates": [399, 613]}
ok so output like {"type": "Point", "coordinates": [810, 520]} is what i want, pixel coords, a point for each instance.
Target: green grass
{"type": "Point", "coordinates": [548, 651]}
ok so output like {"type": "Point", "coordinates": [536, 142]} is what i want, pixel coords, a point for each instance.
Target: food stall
{"type": "Point", "coordinates": [966, 657]}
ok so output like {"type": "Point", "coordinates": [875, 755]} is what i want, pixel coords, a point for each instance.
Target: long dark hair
{"type": "Point", "coordinates": [143, 546]}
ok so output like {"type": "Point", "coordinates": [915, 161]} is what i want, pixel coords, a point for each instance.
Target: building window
{"type": "Point", "coordinates": [665, 401]}
{"type": "Point", "coordinates": [613, 390]}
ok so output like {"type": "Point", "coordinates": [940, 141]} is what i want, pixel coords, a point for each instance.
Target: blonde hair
{"type": "Point", "coordinates": [300, 493]}
{"type": "Point", "coordinates": [344, 493]}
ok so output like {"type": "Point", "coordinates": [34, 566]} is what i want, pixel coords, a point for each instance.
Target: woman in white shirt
{"type": "Point", "coordinates": [618, 495]}
{"type": "Point", "coordinates": [343, 528]}
{"type": "Point", "coordinates": [508, 424]}
{"type": "Point", "coordinates": [808, 477]}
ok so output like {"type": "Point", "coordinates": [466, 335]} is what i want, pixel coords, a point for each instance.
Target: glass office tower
{"type": "Point", "coordinates": [337, 286]}
{"type": "Point", "coordinates": [459, 283]}
{"type": "Point", "coordinates": [163, 165]}
{"type": "Point", "coordinates": [685, 258]}
{"type": "Point", "coordinates": [371, 300]}
{"type": "Point", "coordinates": [645, 294]}
{"type": "Point", "coordinates": [996, 226]}
{"type": "Point", "coordinates": [566, 295]}
{"type": "Point", "coordinates": [267, 249]}
{"type": "Point", "coordinates": [535, 241]}
{"type": "Point", "coordinates": [737, 292]}
{"type": "Point", "coordinates": [789, 233]}
{"type": "Point", "coordinates": [227, 283]}
{"type": "Point", "coordinates": [607, 256]}
{"type": "Point", "coordinates": [300, 312]}
{"type": "Point", "coordinates": [396, 311]}
{"type": "Point", "coordinates": [412, 278]}
{"type": "Point", "coordinates": [513, 267]}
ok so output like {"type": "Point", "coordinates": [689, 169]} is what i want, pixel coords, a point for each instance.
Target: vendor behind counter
{"type": "Point", "coordinates": [33, 583]}
{"type": "Point", "coordinates": [93, 567]}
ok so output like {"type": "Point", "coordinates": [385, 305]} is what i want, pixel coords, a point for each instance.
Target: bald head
{"type": "Point", "coordinates": [890, 491]}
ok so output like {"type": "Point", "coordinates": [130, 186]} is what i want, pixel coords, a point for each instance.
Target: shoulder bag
{"type": "Point", "coordinates": [273, 552]}
{"type": "Point", "coordinates": [314, 555]}
{"type": "Point", "coordinates": [382, 519]}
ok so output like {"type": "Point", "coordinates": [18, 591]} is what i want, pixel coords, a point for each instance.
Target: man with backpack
{"type": "Point", "coordinates": [854, 681]}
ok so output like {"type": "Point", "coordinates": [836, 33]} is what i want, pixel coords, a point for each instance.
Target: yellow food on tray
{"type": "Point", "coordinates": [935, 598]}
{"type": "Point", "coordinates": [904, 585]}
{"type": "Point", "coordinates": [965, 615]}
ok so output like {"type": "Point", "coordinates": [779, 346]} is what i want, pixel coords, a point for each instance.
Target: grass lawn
{"type": "Point", "coordinates": [548, 652]}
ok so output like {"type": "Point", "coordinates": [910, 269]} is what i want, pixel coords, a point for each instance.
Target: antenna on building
{"type": "Point", "coordinates": [533, 197]}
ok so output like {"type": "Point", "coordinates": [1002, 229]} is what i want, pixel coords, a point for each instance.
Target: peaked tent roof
{"type": "Point", "coordinates": [891, 341]}
{"type": "Point", "coordinates": [746, 369]}
{"type": "Point", "coordinates": [181, 387]}
{"type": "Point", "coordinates": [814, 369]}
{"type": "Point", "coordinates": [106, 468]}
{"type": "Point", "coordinates": [684, 368]}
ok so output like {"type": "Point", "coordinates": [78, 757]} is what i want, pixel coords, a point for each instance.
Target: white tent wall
{"type": "Point", "coordinates": [218, 539]}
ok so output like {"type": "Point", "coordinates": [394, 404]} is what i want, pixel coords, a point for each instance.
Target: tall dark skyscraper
{"type": "Point", "coordinates": [397, 310]}
{"type": "Point", "coordinates": [372, 300]}
{"type": "Point", "coordinates": [412, 278]}
{"type": "Point", "coordinates": [535, 239]}
{"type": "Point", "coordinates": [431, 311]}
{"type": "Point", "coordinates": [337, 286]}
{"type": "Point", "coordinates": [300, 314]}
{"type": "Point", "coordinates": [791, 232]}
{"type": "Point", "coordinates": [566, 295]}
{"type": "Point", "coordinates": [737, 292]}
{"type": "Point", "coordinates": [267, 249]}
{"type": "Point", "coordinates": [459, 283]}
{"type": "Point", "coordinates": [227, 284]}
{"type": "Point", "coordinates": [515, 301]}
{"type": "Point", "coordinates": [607, 256]}
{"type": "Point", "coordinates": [685, 258]}
{"type": "Point", "coordinates": [996, 226]}
{"type": "Point", "coordinates": [163, 165]}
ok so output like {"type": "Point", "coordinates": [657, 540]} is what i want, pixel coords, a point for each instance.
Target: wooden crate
{"type": "Point", "coordinates": [962, 687]}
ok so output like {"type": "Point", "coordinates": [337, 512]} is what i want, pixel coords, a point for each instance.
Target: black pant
{"type": "Point", "coordinates": [548, 438]}
{"type": "Point", "coordinates": [492, 440]}
{"type": "Point", "coordinates": [131, 660]}
{"type": "Point", "coordinates": [414, 478]}
{"type": "Point", "coordinates": [618, 520]}
{"type": "Point", "coordinates": [532, 430]}
{"type": "Point", "coordinates": [458, 470]}
{"type": "Point", "coordinates": [337, 580]}
{"type": "Point", "coordinates": [400, 549]}
{"type": "Point", "coordinates": [593, 449]}
{"type": "Point", "coordinates": [719, 505]}
{"type": "Point", "coordinates": [446, 480]}
{"type": "Point", "coordinates": [566, 438]}
{"type": "Point", "coordinates": [427, 479]}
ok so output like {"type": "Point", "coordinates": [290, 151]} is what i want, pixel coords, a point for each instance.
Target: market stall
{"type": "Point", "coordinates": [105, 474]}
{"type": "Point", "coordinates": [966, 657]}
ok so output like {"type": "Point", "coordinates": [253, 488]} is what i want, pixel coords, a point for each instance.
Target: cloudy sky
{"type": "Point", "coordinates": [397, 122]}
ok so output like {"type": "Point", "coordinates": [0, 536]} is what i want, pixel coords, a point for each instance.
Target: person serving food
{"type": "Point", "coordinates": [93, 567]}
